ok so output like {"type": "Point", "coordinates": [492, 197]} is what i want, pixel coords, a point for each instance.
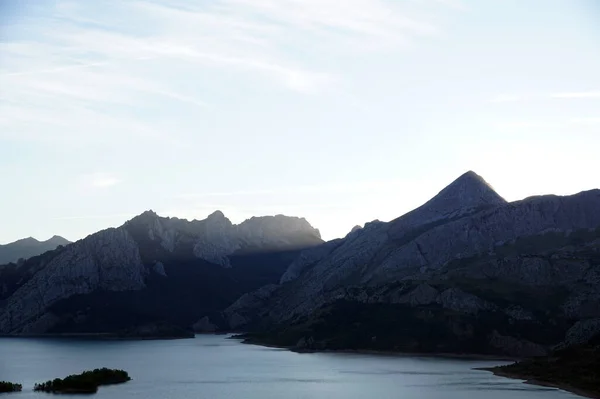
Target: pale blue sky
{"type": "Point", "coordinates": [338, 111]}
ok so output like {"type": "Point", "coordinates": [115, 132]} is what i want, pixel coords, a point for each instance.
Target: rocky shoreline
{"type": "Point", "coordinates": [498, 370]}
{"type": "Point", "coordinates": [467, 356]}
{"type": "Point", "coordinates": [533, 381]}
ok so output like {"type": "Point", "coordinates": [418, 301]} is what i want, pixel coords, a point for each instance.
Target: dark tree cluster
{"type": "Point", "coordinates": [9, 387]}
{"type": "Point", "coordinates": [86, 382]}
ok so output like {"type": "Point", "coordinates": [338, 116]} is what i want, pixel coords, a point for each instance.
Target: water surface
{"type": "Point", "coordinates": [214, 367]}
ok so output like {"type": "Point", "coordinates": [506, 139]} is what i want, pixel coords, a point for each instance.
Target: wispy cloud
{"type": "Point", "coordinates": [72, 63]}
{"type": "Point", "coordinates": [517, 97]}
{"type": "Point", "coordinates": [509, 98]}
{"type": "Point", "coordinates": [101, 180]}
{"type": "Point", "coordinates": [586, 121]}
{"type": "Point", "coordinates": [357, 186]}
{"type": "Point", "coordinates": [578, 95]}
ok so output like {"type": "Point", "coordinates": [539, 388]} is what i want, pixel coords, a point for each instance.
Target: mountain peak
{"type": "Point", "coordinates": [27, 240]}
{"type": "Point", "coordinates": [146, 216]}
{"type": "Point", "coordinates": [58, 239]}
{"type": "Point", "coordinates": [468, 191]}
{"type": "Point", "coordinates": [217, 215]}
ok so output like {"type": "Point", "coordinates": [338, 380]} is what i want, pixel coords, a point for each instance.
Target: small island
{"type": "Point", "coordinates": [86, 382]}
{"type": "Point", "coordinates": [9, 387]}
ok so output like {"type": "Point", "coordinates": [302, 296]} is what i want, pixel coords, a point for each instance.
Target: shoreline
{"type": "Point", "coordinates": [463, 356]}
{"type": "Point", "coordinates": [533, 381]}
{"type": "Point", "coordinates": [96, 336]}
{"type": "Point", "coordinates": [493, 370]}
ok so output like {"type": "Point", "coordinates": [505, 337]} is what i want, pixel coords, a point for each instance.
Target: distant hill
{"type": "Point", "coordinates": [28, 247]}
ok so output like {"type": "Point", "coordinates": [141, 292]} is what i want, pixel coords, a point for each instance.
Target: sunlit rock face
{"type": "Point", "coordinates": [127, 258]}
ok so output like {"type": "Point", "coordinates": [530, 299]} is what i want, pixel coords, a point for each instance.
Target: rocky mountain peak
{"type": "Point", "coordinates": [216, 215]}
{"type": "Point", "coordinates": [146, 217]}
{"type": "Point", "coordinates": [217, 220]}
{"type": "Point", "coordinates": [58, 240]}
{"type": "Point", "coordinates": [27, 241]}
{"type": "Point", "coordinates": [468, 191]}
{"type": "Point", "coordinates": [278, 224]}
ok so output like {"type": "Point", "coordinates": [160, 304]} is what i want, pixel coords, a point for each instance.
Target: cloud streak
{"type": "Point", "coordinates": [76, 62]}
{"type": "Point", "coordinates": [364, 186]}
{"type": "Point", "coordinates": [578, 95]}
{"type": "Point", "coordinates": [101, 180]}
{"type": "Point", "coordinates": [575, 95]}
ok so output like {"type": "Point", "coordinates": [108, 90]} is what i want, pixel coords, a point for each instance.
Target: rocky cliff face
{"type": "Point", "coordinates": [215, 239]}
{"type": "Point", "coordinates": [110, 261]}
{"type": "Point", "coordinates": [148, 257]}
{"type": "Point", "coordinates": [468, 252]}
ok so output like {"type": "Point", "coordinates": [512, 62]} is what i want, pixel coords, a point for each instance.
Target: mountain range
{"type": "Point", "coordinates": [150, 270]}
{"type": "Point", "coordinates": [28, 247]}
{"type": "Point", "coordinates": [467, 272]}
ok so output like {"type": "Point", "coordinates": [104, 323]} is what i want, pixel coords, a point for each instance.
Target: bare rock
{"type": "Point", "coordinates": [582, 332]}
{"type": "Point", "coordinates": [460, 301]}
{"type": "Point", "coordinates": [423, 294]}
{"type": "Point", "coordinates": [204, 325]}
{"type": "Point", "coordinates": [516, 347]}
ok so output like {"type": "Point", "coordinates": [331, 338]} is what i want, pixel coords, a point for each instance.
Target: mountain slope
{"type": "Point", "coordinates": [28, 247]}
{"type": "Point", "coordinates": [150, 269]}
{"type": "Point", "coordinates": [485, 274]}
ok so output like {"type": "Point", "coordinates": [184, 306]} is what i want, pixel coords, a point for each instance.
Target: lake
{"type": "Point", "coordinates": [214, 367]}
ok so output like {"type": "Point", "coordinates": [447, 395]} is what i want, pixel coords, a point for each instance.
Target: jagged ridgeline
{"type": "Point", "coordinates": [466, 272]}
{"type": "Point", "coordinates": [151, 277]}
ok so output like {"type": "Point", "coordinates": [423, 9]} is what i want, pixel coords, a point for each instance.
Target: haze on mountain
{"type": "Point", "coordinates": [28, 247]}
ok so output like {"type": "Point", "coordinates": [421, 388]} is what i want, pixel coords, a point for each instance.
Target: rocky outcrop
{"type": "Point", "coordinates": [159, 269]}
{"type": "Point", "coordinates": [516, 347]}
{"type": "Point", "coordinates": [582, 332]}
{"type": "Point", "coordinates": [40, 325]}
{"type": "Point", "coordinates": [460, 301]}
{"type": "Point", "coordinates": [237, 314]}
{"type": "Point", "coordinates": [307, 259]}
{"type": "Point", "coordinates": [423, 294]}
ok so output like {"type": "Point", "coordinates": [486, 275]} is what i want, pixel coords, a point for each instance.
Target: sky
{"type": "Point", "coordinates": [341, 112]}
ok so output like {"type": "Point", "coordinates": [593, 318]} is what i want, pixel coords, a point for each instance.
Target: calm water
{"type": "Point", "coordinates": [214, 367]}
